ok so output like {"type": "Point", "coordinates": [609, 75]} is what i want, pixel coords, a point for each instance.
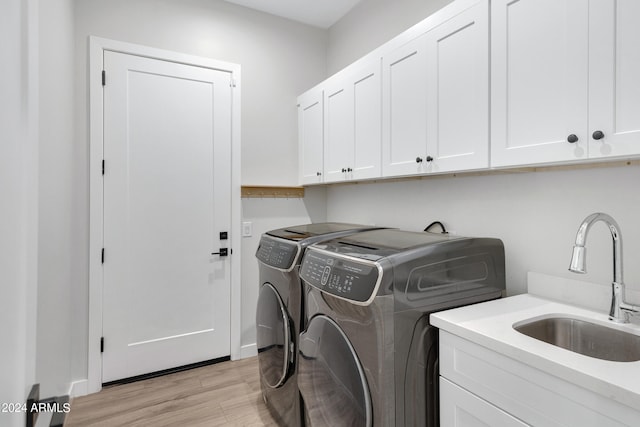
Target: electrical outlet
{"type": "Point", "coordinates": [247, 229]}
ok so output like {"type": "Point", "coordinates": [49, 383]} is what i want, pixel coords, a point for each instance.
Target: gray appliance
{"type": "Point", "coordinates": [368, 355]}
{"type": "Point", "coordinates": [280, 310]}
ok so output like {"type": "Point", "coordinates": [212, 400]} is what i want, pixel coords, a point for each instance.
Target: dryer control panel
{"type": "Point", "coordinates": [346, 278]}
{"type": "Point", "coordinates": [277, 253]}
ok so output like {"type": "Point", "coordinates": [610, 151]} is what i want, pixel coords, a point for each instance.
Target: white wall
{"type": "Point", "coordinates": [279, 59]}
{"type": "Point", "coordinates": [536, 214]}
{"type": "Point", "coordinates": [270, 214]}
{"type": "Point", "coordinates": [370, 24]}
{"type": "Point", "coordinates": [18, 202]}
{"type": "Point", "coordinates": [56, 197]}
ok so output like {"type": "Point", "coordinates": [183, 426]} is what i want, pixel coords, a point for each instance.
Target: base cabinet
{"type": "Point", "coordinates": [459, 408]}
{"type": "Point", "coordinates": [491, 386]}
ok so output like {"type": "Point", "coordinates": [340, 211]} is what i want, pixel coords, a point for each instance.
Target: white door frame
{"type": "Point", "coordinates": [97, 46]}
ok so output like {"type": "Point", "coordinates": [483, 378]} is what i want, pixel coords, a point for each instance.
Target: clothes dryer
{"type": "Point", "coordinates": [280, 310]}
{"type": "Point", "coordinates": [368, 355]}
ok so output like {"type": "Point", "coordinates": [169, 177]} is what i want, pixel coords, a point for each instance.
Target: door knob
{"type": "Point", "coordinates": [598, 135]}
{"type": "Point", "coordinates": [223, 252]}
{"type": "Point", "coordinates": [572, 138]}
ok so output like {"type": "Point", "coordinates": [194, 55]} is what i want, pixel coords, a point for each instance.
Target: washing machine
{"type": "Point", "coordinates": [368, 355]}
{"type": "Point", "coordinates": [280, 310]}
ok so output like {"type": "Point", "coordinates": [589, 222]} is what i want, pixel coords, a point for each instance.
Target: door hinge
{"type": "Point", "coordinates": [104, 78]}
{"type": "Point", "coordinates": [102, 255]}
{"type": "Point", "coordinates": [232, 83]}
{"type": "Point", "coordinates": [101, 344]}
{"type": "Point", "coordinates": [103, 167]}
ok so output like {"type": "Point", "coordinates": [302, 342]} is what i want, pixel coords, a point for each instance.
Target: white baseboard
{"type": "Point", "coordinates": [248, 350]}
{"type": "Point", "coordinates": [79, 388]}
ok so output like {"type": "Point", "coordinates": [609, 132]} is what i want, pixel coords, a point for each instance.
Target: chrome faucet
{"type": "Point", "coordinates": [620, 310]}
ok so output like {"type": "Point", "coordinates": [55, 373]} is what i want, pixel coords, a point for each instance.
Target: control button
{"type": "Point", "coordinates": [325, 275]}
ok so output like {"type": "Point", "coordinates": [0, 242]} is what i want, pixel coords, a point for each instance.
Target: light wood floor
{"type": "Point", "coordinates": [224, 394]}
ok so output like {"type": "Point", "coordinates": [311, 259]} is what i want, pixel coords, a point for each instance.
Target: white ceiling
{"type": "Point", "coordinates": [319, 13]}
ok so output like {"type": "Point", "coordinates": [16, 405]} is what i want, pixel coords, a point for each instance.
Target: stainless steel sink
{"type": "Point", "coordinates": [579, 336]}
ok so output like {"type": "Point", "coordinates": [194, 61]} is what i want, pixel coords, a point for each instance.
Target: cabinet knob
{"type": "Point", "coordinates": [318, 173]}
{"type": "Point", "coordinates": [343, 170]}
{"type": "Point", "coordinates": [418, 159]}
{"type": "Point", "coordinates": [572, 138]}
{"type": "Point", "coordinates": [429, 159]}
{"type": "Point", "coordinates": [598, 135]}
{"type": "Point", "coordinates": [349, 170]}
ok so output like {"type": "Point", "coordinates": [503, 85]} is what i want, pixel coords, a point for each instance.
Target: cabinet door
{"type": "Point", "coordinates": [458, 88]}
{"type": "Point", "coordinates": [459, 408]}
{"type": "Point", "coordinates": [614, 77]}
{"type": "Point", "coordinates": [353, 124]}
{"type": "Point", "coordinates": [310, 137]}
{"type": "Point", "coordinates": [338, 144]}
{"type": "Point", "coordinates": [539, 72]}
{"type": "Point", "coordinates": [404, 111]}
{"type": "Point", "coordinates": [367, 121]}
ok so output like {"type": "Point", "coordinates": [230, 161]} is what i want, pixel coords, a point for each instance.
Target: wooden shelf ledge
{"type": "Point", "coordinates": [261, 192]}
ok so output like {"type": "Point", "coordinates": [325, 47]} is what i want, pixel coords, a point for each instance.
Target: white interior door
{"type": "Point", "coordinates": [167, 197]}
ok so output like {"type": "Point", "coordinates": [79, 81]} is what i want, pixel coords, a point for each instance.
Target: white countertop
{"type": "Point", "coordinates": [490, 325]}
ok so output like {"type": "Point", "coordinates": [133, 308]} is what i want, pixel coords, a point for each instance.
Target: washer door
{"type": "Point", "coordinates": [330, 377]}
{"type": "Point", "coordinates": [273, 337]}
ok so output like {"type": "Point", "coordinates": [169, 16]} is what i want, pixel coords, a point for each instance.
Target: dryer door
{"type": "Point", "coordinates": [330, 377]}
{"type": "Point", "coordinates": [273, 337]}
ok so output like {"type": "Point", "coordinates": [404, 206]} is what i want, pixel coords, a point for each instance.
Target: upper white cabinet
{"type": "Point", "coordinates": [614, 73]}
{"type": "Point", "coordinates": [310, 137]}
{"type": "Point", "coordinates": [404, 120]}
{"type": "Point", "coordinates": [352, 105]}
{"type": "Point", "coordinates": [436, 98]}
{"type": "Point", "coordinates": [482, 84]}
{"type": "Point", "coordinates": [565, 80]}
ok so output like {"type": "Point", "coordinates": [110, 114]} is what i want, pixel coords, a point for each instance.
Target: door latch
{"type": "Point", "coordinates": [223, 252]}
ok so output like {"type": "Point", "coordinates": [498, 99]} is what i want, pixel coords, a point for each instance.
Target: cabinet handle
{"type": "Point", "coordinates": [349, 170]}
{"type": "Point", "coordinates": [598, 135]}
{"type": "Point", "coordinates": [429, 159]}
{"type": "Point", "coordinates": [418, 159]}
{"type": "Point", "coordinates": [572, 138]}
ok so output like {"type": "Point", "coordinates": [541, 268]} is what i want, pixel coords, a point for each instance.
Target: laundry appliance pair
{"type": "Point", "coordinates": [367, 354]}
{"type": "Point", "coordinates": [280, 311]}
